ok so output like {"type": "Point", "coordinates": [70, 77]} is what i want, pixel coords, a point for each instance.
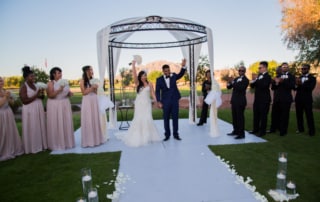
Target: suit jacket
{"type": "Point", "coordinates": [165, 94]}
{"type": "Point", "coordinates": [262, 88]}
{"type": "Point", "coordinates": [284, 88]}
{"type": "Point", "coordinates": [239, 86]}
{"type": "Point", "coordinates": [304, 91]}
{"type": "Point", "coordinates": [204, 88]}
{"type": "Point", "coordinates": [275, 89]}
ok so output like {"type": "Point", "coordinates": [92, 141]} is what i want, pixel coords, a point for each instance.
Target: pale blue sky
{"type": "Point", "coordinates": [64, 31]}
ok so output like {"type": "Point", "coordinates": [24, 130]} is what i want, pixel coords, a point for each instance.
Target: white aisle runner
{"type": "Point", "coordinates": [177, 171]}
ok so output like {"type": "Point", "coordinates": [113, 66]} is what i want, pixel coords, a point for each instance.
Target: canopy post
{"type": "Point", "coordinates": [192, 84]}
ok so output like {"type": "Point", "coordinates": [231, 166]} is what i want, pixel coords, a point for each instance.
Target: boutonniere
{"type": "Point", "coordinates": [260, 77]}
{"type": "Point", "coordinates": [239, 80]}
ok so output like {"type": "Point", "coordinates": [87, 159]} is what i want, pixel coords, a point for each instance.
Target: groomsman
{"type": "Point", "coordinates": [275, 104]}
{"type": "Point", "coordinates": [206, 87]}
{"type": "Point", "coordinates": [304, 87]}
{"type": "Point", "coordinates": [284, 85]}
{"type": "Point", "coordinates": [238, 102]}
{"type": "Point", "coordinates": [262, 99]}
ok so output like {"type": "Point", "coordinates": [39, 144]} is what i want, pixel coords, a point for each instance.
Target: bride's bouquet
{"type": "Point", "coordinates": [138, 59]}
{"type": "Point", "coordinates": [94, 81]}
{"type": "Point", "coordinates": [63, 82]}
{"type": "Point", "coordinates": [41, 85]}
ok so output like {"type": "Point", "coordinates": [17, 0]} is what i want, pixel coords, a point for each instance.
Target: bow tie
{"type": "Point", "coordinates": [167, 77]}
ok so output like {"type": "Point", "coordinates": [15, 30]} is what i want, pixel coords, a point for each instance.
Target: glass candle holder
{"type": "Point", "coordinates": [281, 182]}
{"type": "Point", "coordinates": [86, 180]}
{"type": "Point", "coordinates": [282, 161]}
{"type": "Point", "coordinates": [291, 188]}
{"type": "Point", "coordinates": [93, 195]}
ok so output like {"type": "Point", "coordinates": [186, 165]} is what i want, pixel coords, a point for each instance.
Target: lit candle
{"type": "Point", "coordinates": [92, 194]}
{"type": "Point", "coordinates": [282, 158]}
{"type": "Point", "coordinates": [291, 185]}
{"type": "Point", "coordinates": [86, 178]}
{"type": "Point", "coordinates": [291, 188]}
{"type": "Point", "coordinates": [281, 176]}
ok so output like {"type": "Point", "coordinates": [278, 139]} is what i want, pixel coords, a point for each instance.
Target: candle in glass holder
{"type": "Point", "coordinates": [86, 180]}
{"type": "Point", "coordinates": [282, 162]}
{"type": "Point", "coordinates": [291, 188]}
{"type": "Point", "coordinates": [281, 182]}
{"type": "Point", "coordinates": [93, 195]}
{"type": "Point", "coordinates": [282, 157]}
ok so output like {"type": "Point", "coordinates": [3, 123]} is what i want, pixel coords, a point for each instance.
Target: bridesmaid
{"type": "Point", "coordinates": [91, 131]}
{"type": "Point", "coordinates": [59, 115]}
{"type": "Point", "coordinates": [34, 134]}
{"type": "Point", "coordinates": [10, 142]}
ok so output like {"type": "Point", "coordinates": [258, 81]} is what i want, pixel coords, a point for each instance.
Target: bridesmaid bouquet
{"type": "Point", "coordinates": [94, 81]}
{"type": "Point", "coordinates": [12, 95]}
{"type": "Point", "coordinates": [63, 82]}
{"type": "Point", "coordinates": [41, 85]}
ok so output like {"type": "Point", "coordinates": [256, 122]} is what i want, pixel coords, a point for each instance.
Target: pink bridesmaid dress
{"type": "Point", "coordinates": [34, 133]}
{"type": "Point", "coordinates": [10, 141]}
{"type": "Point", "coordinates": [91, 131]}
{"type": "Point", "coordinates": [60, 132]}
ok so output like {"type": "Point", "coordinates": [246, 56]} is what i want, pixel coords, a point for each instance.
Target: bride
{"type": "Point", "coordinates": [142, 130]}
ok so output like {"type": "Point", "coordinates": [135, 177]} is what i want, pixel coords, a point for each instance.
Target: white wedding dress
{"type": "Point", "coordinates": [142, 129]}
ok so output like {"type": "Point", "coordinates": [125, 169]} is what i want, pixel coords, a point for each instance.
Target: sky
{"type": "Point", "coordinates": [63, 32]}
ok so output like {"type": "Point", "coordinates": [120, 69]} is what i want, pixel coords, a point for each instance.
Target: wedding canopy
{"type": "Point", "coordinates": [187, 34]}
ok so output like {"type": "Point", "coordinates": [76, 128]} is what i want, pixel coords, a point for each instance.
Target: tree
{"type": "Point", "coordinates": [301, 28]}
{"type": "Point", "coordinates": [272, 65]}
{"type": "Point", "coordinates": [152, 76]}
{"type": "Point", "coordinates": [126, 76]}
{"type": "Point", "coordinates": [41, 75]}
{"type": "Point", "coordinates": [203, 66]}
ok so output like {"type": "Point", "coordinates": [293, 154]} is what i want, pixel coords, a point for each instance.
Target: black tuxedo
{"type": "Point", "coordinates": [275, 107]}
{"type": "Point", "coordinates": [261, 102]}
{"type": "Point", "coordinates": [204, 111]}
{"type": "Point", "coordinates": [283, 100]}
{"type": "Point", "coordinates": [169, 97]}
{"type": "Point", "coordinates": [303, 101]}
{"type": "Point", "coordinates": [238, 103]}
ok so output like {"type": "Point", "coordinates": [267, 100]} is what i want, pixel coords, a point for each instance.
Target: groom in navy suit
{"type": "Point", "coordinates": [168, 96]}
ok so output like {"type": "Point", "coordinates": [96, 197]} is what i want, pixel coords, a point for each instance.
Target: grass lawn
{"type": "Point", "coordinates": [45, 177]}
{"type": "Point", "coordinates": [259, 160]}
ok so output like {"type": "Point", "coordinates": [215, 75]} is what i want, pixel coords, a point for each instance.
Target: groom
{"type": "Point", "coordinates": [168, 96]}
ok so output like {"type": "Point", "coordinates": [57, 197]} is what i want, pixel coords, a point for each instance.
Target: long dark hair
{"type": "Point", "coordinates": [26, 71]}
{"type": "Point", "coordinates": [140, 83]}
{"type": "Point", "coordinates": [53, 71]}
{"type": "Point", "coordinates": [85, 77]}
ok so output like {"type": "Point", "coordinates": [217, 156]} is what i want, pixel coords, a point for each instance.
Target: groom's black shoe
{"type": "Point", "coordinates": [177, 138]}
{"type": "Point", "coordinates": [166, 138]}
{"type": "Point", "coordinates": [199, 124]}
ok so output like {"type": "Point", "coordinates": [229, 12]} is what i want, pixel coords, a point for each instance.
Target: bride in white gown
{"type": "Point", "coordinates": [142, 130]}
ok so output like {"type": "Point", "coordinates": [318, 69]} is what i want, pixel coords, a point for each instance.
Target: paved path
{"type": "Point", "coordinates": [177, 171]}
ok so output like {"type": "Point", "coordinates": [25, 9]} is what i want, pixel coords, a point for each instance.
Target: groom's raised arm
{"type": "Point", "coordinates": [182, 70]}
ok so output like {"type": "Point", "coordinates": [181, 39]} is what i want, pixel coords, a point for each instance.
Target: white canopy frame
{"type": "Point", "coordinates": [189, 37]}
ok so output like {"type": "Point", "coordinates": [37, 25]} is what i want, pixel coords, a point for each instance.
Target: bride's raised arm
{"type": "Point", "coordinates": [134, 72]}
